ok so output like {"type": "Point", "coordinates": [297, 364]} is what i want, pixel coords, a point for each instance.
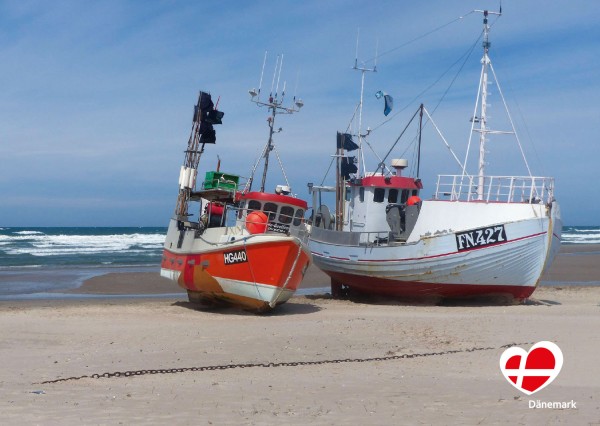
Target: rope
{"type": "Point", "coordinates": [287, 280]}
{"type": "Point", "coordinates": [252, 273]}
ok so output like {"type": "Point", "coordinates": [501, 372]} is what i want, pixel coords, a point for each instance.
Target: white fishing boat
{"type": "Point", "coordinates": [478, 235]}
{"type": "Point", "coordinates": [244, 248]}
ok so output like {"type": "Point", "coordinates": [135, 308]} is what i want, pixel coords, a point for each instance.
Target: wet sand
{"type": "Point", "coordinates": [153, 283]}
{"type": "Point", "coordinates": [48, 340]}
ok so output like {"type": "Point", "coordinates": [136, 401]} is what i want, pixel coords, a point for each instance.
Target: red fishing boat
{"type": "Point", "coordinates": [245, 248]}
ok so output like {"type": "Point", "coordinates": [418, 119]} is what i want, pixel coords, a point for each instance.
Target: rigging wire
{"type": "Point", "coordinates": [521, 115]}
{"type": "Point", "coordinates": [328, 169]}
{"type": "Point", "coordinates": [511, 120]}
{"type": "Point", "coordinates": [376, 57]}
{"type": "Point", "coordinates": [281, 165]}
{"type": "Point", "coordinates": [464, 58]}
{"type": "Point", "coordinates": [531, 140]}
{"type": "Point", "coordinates": [465, 55]}
{"type": "Point", "coordinates": [333, 157]}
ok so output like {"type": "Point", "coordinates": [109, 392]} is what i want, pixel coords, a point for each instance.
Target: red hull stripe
{"type": "Point", "coordinates": [385, 287]}
{"type": "Point", "coordinates": [430, 257]}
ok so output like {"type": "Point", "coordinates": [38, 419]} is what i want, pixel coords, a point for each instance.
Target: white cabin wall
{"type": "Point", "coordinates": [357, 212]}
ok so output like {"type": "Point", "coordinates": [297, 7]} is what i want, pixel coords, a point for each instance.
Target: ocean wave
{"type": "Point", "coordinates": [55, 251]}
{"type": "Point", "coordinates": [52, 245]}
{"type": "Point", "coordinates": [9, 267]}
{"type": "Point", "coordinates": [589, 231]}
{"type": "Point", "coordinates": [80, 247]}
{"type": "Point", "coordinates": [581, 238]}
{"type": "Point", "coordinates": [29, 233]}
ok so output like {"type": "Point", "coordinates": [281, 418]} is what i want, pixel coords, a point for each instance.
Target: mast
{"type": "Point", "coordinates": [363, 71]}
{"type": "Point", "coordinates": [275, 106]}
{"type": "Point", "coordinates": [340, 182]}
{"type": "Point", "coordinates": [205, 116]}
{"type": "Point", "coordinates": [483, 130]}
{"type": "Point", "coordinates": [271, 122]}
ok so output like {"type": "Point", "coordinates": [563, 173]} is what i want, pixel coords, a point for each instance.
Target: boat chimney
{"type": "Point", "coordinates": [399, 164]}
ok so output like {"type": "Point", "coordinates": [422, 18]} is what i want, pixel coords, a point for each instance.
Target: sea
{"type": "Point", "coordinates": [40, 262]}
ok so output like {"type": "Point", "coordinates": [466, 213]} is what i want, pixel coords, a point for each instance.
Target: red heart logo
{"type": "Point", "coordinates": [534, 370]}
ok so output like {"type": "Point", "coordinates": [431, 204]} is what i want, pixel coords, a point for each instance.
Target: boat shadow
{"type": "Point", "coordinates": [289, 308]}
{"type": "Point", "coordinates": [471, 301]}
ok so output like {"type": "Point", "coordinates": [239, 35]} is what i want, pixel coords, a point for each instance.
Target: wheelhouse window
{"type": "Point", "coordinates": [271, 210]}
{"type": "Point", "coordinates": [393, 196]}
{"type": "Point", "coordinates": [379, 195]}
{"type": "Point", "coordinates": [254, 205]}
{"type": "Point", "coordinates": [298, 217]}
{"type": "Point", "coordinates": [405, 195]}
{"type": "Point", "coordinates": [286, 214]}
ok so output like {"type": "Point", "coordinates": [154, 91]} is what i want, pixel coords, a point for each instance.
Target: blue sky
{"type": "Point", "coordinates": [96, 99]}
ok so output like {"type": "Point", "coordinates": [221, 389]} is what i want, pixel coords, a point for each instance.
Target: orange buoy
{"type": "Point", "coordinates": [413, 200]}
{"type": "Point", "coordinates": [256, 222]}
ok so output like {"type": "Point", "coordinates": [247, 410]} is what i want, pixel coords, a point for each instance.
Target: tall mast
{"type": "Point", "coordinates": [340, 183]}
{"type": "Point", "coordinates": [275, 106]}
{"type": "Point", "coordinates": [483, 130]}
{"type": "Point", "coordinates": [363, 70]}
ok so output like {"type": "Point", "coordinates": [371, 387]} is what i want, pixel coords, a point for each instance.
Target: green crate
{"type": "Point", "coordinates": [218, 180]}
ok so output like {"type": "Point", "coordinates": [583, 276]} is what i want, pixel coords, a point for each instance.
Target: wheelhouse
{"type": "Point", "coordinates": [281, 211]}
{"type": "Point", "coordinates": [371, 197]}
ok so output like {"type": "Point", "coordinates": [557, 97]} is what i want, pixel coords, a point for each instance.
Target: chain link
{"type": "Point", "coordinates": [278, 364]}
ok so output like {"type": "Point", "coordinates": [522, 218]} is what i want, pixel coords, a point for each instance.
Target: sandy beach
{"type": "Point", "coordinates": [401, 364]}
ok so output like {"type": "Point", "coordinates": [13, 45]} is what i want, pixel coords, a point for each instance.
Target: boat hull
{"type": "Point", "coordinates": [437, 262]}
{"type": "Point", "coordinates": [256, 272]}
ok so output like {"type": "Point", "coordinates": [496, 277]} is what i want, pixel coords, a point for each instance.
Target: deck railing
{"type": "Point", "coordinates": [350, 239]}
{"type": "Point", "coordinates": [504, 189]}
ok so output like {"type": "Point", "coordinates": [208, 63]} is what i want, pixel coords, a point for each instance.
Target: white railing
{"type": "Point", "coordinates": [350, 238]}
{"type": "Point", "coordinates": [504, 189]}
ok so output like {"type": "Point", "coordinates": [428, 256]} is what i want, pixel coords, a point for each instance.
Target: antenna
{"type": "Point", "coordinates": [275, 106]}
{"type": "Point", "coordinates": [279, 76]}
{"type": "Point", "coordinates": [376, 54]}
{"type": "Point", "coordinates": [356, 55]}
{"type": "Point", "coordinates": [274, 73]}
{"type": "Point", "coordinates": [261, 74]}
{"type": "Point", "coordinates": [296, 86]}
{"type": "Point", "coordinates": [283, 91]}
